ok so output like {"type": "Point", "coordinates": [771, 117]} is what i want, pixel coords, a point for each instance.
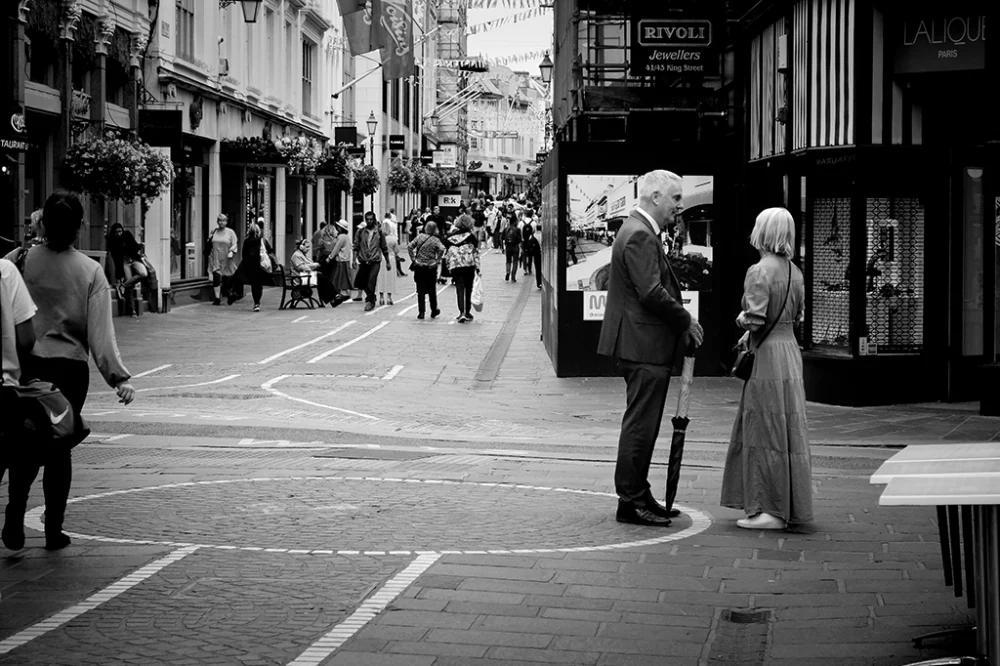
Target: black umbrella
{"type": "Point", "coordinates": [680, 430]}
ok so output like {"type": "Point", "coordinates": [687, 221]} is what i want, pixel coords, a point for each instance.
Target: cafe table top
{"type": "Point", "coordinates": [975, 489]}
{"type": "Point", "coordinates": [940, 461]}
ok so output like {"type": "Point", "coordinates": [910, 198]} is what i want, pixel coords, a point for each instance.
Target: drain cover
{"type": "Point", "coordinates": [744, 616]}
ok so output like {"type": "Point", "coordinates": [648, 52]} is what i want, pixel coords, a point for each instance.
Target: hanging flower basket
{"type": "Point", "coordinates": [336, 168]}
{"type": "Point", "coordinates": [400, 178]}
{"type": "Point", "coordinates": [366, 180]}
{"type": "Point", "coordinates": [450, 179]}
{"type": "Point", "coordinates": [251, 150]}
{"type": "Point", "coordinates": [117, 170]}
{"type": "Point", "coordinates": [426, 180]}
{"type": "Point", "coordinates": [302, 154]}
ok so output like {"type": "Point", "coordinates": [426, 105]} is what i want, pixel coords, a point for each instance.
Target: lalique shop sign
{"type": "Point", "coordinates": [941, 44]}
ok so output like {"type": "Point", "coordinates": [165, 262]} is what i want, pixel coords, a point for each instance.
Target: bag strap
{"type": "Point", "coordinates": [780, 312]}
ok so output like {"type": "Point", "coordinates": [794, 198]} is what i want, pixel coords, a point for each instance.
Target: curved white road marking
{"type": "Point", "coordinates": [149, 372]}
{"type": "Point", "coordinates": [183, 386]}
{"type": "Point", "coordinates": [95, 600]}
{"type": "Point", "coordinates": [269, 384]}
{"type": "Point", "coordinates": [305, 344]}
{"type": "Point", "coordinates": [366, 612]}
{"type": "Point", "coordinates": [393, 372]}
{"type": "Point", "coordinates": [348, 343]}
{"type": "Point", "coordinates": [700, 521]}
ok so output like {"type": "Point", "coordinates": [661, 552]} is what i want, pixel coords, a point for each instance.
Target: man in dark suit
{"type": "Point", "coordinates": [646, 330]}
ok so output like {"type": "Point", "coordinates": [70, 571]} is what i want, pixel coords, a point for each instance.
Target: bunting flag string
{"type": "Point", "coordinates": [476, 63]}
{"type": "Point", "coordinates": [504, 20]}
{"type": "Point", "coordinates": [506, 4]}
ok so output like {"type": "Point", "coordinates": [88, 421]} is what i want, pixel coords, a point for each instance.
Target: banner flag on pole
{"type": "Point", "coordinates": [396, 38]}
{"type": "Point", "coordinates": [350, 6]}
{"type": "Point", "coordinates": [362, 28]}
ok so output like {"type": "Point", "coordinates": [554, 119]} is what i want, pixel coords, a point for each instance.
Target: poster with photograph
{"type": "Point", "coordinates": [597, 207]}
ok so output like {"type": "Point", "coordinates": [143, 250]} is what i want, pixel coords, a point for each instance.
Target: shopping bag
{"type": "Point", "coordinates": [477, 294]}
{"type": "Point", "coordinates": [265, 260]}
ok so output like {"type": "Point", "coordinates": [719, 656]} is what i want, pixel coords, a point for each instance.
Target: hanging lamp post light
{"type": "Point", "coordinates": [251, 8]}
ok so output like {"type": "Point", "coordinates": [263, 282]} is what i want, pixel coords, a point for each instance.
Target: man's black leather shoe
{"type": "Point", "coordinates": [659, 509]}
{"type": "Point", "coordinates": [639, 515]}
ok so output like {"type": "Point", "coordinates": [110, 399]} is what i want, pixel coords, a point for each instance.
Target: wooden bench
{"type": "Point", "coordinates": [295, 290]}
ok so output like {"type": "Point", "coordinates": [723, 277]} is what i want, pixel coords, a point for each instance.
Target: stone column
{"type": "Point", "coordinates": [98, 118]}
{"type": "Point", "coordinates": [280, 209]}
{"type": "Point", "coordinates": [137, 55]}
{"type": "Point", "coordinates": [71, 12]}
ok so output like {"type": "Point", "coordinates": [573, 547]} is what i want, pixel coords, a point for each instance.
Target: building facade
{"type": "Point", "coordinates": [72, 67]}
{"type": "Point", "coordinates": [622, 107]}
{"type": "Point", "coordinates": [872, 122]}
{"type": "Point", "coordinates": [506, 130]}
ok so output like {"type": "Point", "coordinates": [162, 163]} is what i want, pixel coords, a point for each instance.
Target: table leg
{"type": "Point", "coordinates": [992, 600]}
{"type": "Point", "coordinates": [979, 553]}
{"type": "Point", "coordinates": [942, 518]}
{"type": "Point", "coordinates": [970, 549]}
{"type": "Point", "coordinates": [956, 549]}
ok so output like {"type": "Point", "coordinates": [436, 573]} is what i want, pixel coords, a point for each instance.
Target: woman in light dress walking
{"type": "Point", "coordinates": [222, 258]}
{"type": "Point", "coordinates": [768, 470]}
{"type": "Point", "coordinates": [387, 278]}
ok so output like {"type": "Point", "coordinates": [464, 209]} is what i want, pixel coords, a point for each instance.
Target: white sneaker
{"type": "Point", "coordinates": [762, 521]}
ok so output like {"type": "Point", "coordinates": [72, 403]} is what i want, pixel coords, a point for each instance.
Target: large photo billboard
{"type": "Point", "coordinates": [597, 207]}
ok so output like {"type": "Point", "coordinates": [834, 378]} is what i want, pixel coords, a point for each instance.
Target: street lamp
{"type": "Point", "coordinates": [545, 67]}
{"type": "Point", "coordinates": [372, 125]}
{"type": "Point", "coordinates": [250, 8]}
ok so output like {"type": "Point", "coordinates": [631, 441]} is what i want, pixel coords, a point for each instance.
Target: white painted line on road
{"type": "Point", "coordinates": [348, 344]}
{"type": "Point", "coordinates": [268, 386]}
{"type": "Point", "coordinates": [149, 372]}
{"type": "Point", "coordinates": [115, 438]}
{"type": "Point", "coordinates": [377, 309]}
{"type": "Point", "coordinates": [393, 372]}
{"type": "Point", "coordinates": [95, 600]}
{"type": "Point", "coordinates": [407, 297]}
{"type": "Point", "coordinates": [371, 607]}
{"type": "Point", "coordinates": [184, 386]}
{"type": "Point", "coordinates": [306, 344]}
{"type": "Point", "coordinates": [404, 311]}
{"type": "Point", "coordinates": [295, 321]}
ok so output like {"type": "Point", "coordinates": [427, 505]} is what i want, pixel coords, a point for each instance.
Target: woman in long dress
{"type": "Point", "coordinates": [335, 260]}
{"type": "Point", "coordinates": [387, 278]}
{"type": "Point", "coordinates": [222, 258]}
{"type": "Point", "coordinates": [768, 470]}
{"type": "Point", "coordinates": [250, 271]}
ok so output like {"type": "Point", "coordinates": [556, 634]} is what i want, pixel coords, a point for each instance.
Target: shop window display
{"type": "Point", "coordinates": [831, 242]}
{"type": "Point", "coordinates": [894, 277]}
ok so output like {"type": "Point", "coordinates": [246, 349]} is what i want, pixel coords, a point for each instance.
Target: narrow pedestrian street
{"type": "Point", "coordinates": [331, 486]}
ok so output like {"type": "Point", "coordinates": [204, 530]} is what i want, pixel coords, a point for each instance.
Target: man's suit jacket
{"type": "Point", "coordinates": [645, 319]}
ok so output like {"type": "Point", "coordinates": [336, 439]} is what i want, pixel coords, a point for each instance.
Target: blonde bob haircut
{"type": "Point", "coordinates": [774, 232]}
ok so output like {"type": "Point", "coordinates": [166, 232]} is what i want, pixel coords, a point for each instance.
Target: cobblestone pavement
{"type": "Point", "coordinates": [292, 488]}
{"type": "Point", "coordinates": [521, 572]}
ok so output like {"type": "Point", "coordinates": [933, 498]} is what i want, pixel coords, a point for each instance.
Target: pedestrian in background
{"type": "Point", "coordinates": [768, 470]}
{"type": "Point", "coordinates": [426, 252]}
{"type": "Point", "coordinates": [72, 324]}
{"type": "Point", "coordinates": [222, 246]}
{"type": "Point", "coordinates": [463, 260]}
{"type": "Point", "coordinates": [316, 240]}
{"type": "Point", "coordinates": [250, 272]}
{"type": "Point", "coordinates": [512, 246]}
{"type": "Point", "coordinates": [387, 278]}
{"type": "Point", "coordinates": [126, 255]}
{"type": "Point", "coordinates": [645, 330]}
{"type": "Point", "coordinates": [369, 248]}
{"type": "Point", "coordinates": [533, 254]}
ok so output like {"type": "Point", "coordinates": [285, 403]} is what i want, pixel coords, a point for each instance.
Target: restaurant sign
{"type": "Point", "coordinates": [941, 44]}
{"type": "Point", "coordinates": [17, 140]}
{"type": "Point", "coordinates": [673, 46]}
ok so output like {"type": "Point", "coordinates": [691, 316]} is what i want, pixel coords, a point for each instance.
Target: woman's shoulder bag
{"type": "Point", "coordinates": [743, 367]}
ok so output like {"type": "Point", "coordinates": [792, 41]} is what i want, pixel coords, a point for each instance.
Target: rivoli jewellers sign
{"type": "Point", "coordinates": [948, 43]}
{"type": "Point", "coordinates": [673, 46]}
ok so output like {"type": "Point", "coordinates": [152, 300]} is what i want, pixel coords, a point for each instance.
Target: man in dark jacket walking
{"type": "Point", "coordinates": [369, 243]}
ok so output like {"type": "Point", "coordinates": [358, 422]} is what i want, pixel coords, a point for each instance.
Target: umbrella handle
{"type": "Point", "coordinates": [684, 397]}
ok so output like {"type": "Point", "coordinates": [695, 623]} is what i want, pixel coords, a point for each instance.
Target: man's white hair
{"type": "Point", "coordinates": [657, 181]}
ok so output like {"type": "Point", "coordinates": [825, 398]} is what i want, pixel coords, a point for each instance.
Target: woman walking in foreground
{"type": "Point", "coordinates": [768, 468]}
